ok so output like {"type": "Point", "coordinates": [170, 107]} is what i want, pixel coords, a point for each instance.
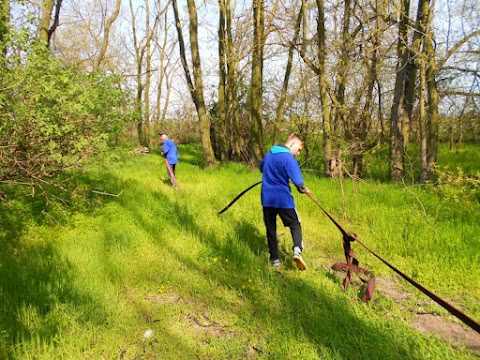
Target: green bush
{"type": "Point", "coordinates": [455, 185]}
{"type": "Point", "coordinates": [53, 117]}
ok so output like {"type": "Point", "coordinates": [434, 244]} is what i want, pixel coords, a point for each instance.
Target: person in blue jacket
{"type": "Point", "coordinates": [278, 168]}
{"type": "Point", "coordinates": [170, 152]}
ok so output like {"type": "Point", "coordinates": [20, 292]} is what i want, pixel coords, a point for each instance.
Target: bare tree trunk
{"type": "Point", "coordinates": [431, 83]}
{"type": "Point", "coordinates": [397, 149]}
{"type": "Point", "coordinates": [142, 139]}
{"type": "Point", "coordinates": [220, 135]}
{"type": "Point", "coordinates": [139, 56]}
{"type": "Point", "coordinates": [256, 95]}
{"type": "Point", "coordinates": [196, 90]}
{"type": "Point", "coordinates": [423, 123]}
{"type": "Point", "coordinates": [426, 73]}
{"type": "Point", "coordinates": [339, 121]}
{"type": "Point", "coordinates": [106, 34]}
{"type": "Point", "coordinates": [458, 144]}
{"type": "Point", "coordinates": [4, 24]}
{"type": "Point", "coordinates": [412, 68]}
{"type": "Point", "coordinates": [380, 28]}
{"type": "Point", "coordinates": [168, 84]}
{"type": "Point", "coordinates": [451, 137]}
{"type": "Point", "coordinates": [366, 124]}
{"type": "Point", "coordinates": [45, 19]}
{"type": "Point", "coordinates": [148, 72]}
{"type": "Point", "coordinates": [354, 127]}
{"type": "Point", "coordinates": [233, 117]}
{"type": "Point", "coordinates": [329, 158]}
{"type": "Point", "coordinates": [163, 77]}
{"type": "Point", "coordinates": [322, 81]}
{"type": "Point", "coordinates": [283, 95]}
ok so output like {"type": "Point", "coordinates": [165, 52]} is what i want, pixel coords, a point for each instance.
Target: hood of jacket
{"type": "Point", "coordinates": [276, 149]}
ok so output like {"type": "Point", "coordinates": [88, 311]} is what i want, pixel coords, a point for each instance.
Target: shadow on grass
{"type": "Point", "coordinates": [330, 324]}
{"type": "Point", "coordinates": [250, 235]}
{"type": "Point", "coordinates": [191, 154]}
{"type": "Point", "coordinates": [37, 292]}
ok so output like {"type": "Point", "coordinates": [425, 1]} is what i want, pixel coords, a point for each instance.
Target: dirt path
{"type": "Point", "coordinates": [446, 326]}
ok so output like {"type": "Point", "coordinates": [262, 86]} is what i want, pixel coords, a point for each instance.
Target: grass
{"type": "Point", "coordinates": [132, 254]}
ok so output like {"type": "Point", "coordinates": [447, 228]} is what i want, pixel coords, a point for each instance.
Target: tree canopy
{"type": "Point", "coordinates": [237, 76]}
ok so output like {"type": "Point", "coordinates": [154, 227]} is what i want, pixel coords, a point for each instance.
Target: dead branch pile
{"type": "Point", "coordinates": [140, 150]}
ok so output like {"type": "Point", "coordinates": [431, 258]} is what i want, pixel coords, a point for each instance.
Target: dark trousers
{"type": "Point", "coordinates": [290, 219]}
{"type": "Point", "coordinates": [172, 166]}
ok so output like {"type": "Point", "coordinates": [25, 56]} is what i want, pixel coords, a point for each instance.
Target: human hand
{"type": "Point", "coordinates": [302, 189]}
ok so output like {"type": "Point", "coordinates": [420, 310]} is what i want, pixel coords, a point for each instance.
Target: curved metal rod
{"type": "Point", "coordinates": [238, 197]}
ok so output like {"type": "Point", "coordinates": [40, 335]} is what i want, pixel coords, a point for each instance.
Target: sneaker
{"type": "Point", "coordinates": [301, 265]}
{"type": "Point", "coordinates": [276, 263]}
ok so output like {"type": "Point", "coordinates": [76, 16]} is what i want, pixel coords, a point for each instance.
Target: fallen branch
{"type": "Point", "coordinates": [107, 194]}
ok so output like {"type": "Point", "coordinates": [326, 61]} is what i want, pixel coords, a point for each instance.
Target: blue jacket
{"type": "Point", "coordinates": [278, 167]}
{"type": "Point", "coordinates": [170, 151]}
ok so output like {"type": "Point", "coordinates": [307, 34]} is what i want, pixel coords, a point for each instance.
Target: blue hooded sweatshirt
{"type": "Point", "coordinates": [170, 151]}
{"type": "Point", "coordinates": [278, 167]}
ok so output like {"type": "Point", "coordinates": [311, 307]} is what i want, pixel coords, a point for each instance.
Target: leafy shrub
{"type": "Point", "coordinates": [455, 186]}
{"type": "Point", "coordinates": [53, 117]}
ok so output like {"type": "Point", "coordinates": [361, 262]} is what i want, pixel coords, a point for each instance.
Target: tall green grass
{"type": "Point", "coordinates": [132, 254]}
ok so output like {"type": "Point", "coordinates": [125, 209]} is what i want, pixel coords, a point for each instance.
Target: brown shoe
{"type": "Point", "coordinates": [301, 265]}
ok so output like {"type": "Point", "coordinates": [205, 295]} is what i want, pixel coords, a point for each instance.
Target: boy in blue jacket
{"type": "Point", "coordinates": [170, 152]}
{"type": "Point", "coordinates": [278, 167]}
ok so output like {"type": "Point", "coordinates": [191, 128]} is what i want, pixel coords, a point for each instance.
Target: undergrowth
{"type": "Point", "coordinates": [130, 268]}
